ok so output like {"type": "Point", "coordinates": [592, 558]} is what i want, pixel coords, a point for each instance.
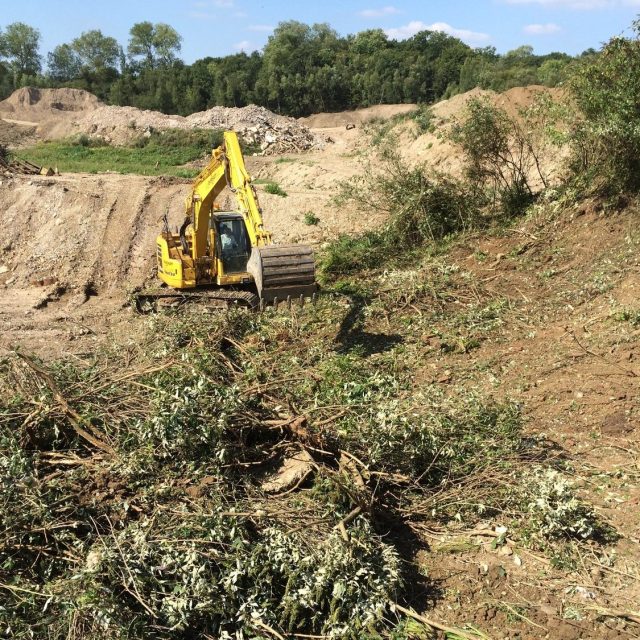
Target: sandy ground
{"type": "Point", "coordinates": [68, 235]}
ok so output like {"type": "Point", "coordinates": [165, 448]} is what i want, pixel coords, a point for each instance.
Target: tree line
{"type": "Point", "coordinates": [302, 69]}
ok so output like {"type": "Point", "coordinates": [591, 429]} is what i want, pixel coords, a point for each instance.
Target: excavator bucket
{"type": "Point", "coordinates": [283, 272]}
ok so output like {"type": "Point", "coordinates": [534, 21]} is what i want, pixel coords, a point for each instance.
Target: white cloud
{"type": "Point", "coordinates": [389, 10]}
{"type": "Point", "coordinates": [260, 27]}
{"type": "Point", "coordinates": [408, 30]}
{"type": "Point", "coordinates": [542, 29]}
{"type": "Point", "coordinates": [244, 45]}
{"type": "Point", "coordinates": [580, 4]}
{"type": "Point", "coordinates": [201, 15]}
{"type": "Point", "coordinates": [223, 4]}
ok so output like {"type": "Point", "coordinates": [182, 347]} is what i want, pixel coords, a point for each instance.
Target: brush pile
{"type": "Point", "coordinates": [146, 492]}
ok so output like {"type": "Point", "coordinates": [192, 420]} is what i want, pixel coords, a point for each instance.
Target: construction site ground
{"type": "Point", "coordinates": [566, 345]}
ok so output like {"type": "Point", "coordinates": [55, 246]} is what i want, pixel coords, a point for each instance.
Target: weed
{"type": "Point", "coordinates": [628, 315]}
{"type": "Point", "coordinates": [422, 208]}
{"type": "Point", "coordinates": [311, 218]}
{"type": "Point", "coordinates": [423, 117]}
{"type": "Point", "coordinates": [275, 189]}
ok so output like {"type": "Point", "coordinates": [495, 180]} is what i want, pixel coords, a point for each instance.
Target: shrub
{"type": "Point", "coordinates": [606, 139]}
{"type": "Point", "coordinates": [311, 219]}
{"type": "Point", "coordinates": [422, 208]}
{"type": "Point", "coordinates": [423, 117]}
{"type": "Point", "coordinates": [500, 155]}
{"type": "Point", "coordinates": [275, 189]}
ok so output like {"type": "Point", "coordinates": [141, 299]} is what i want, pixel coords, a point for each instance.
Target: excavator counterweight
{"type": "Point", "coordinates": [228, 256]}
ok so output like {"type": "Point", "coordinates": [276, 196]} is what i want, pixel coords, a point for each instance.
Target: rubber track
{"type": "Point", "coordinates": [243, 298]}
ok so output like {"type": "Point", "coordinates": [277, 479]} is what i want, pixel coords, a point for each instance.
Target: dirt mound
{"type": "Point", "coordinates": [23, 102]}
{"type": "Point", "coordinates": [435, 149]}
{"type": "Point", "coordinates": [60, 113]}
{"type": "Point", "coordinates": [359, 116]}
{"type": "Point", "coordinates": [256, 125]}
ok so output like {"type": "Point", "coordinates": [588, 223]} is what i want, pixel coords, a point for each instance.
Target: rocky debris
{"type": "Point", "coordinates": [258, 126]}
{"type": "Point", "coordinates": [273, 133]}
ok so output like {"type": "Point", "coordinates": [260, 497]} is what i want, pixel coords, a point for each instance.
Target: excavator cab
{"type": "Point", "coordinates": [233, 244]}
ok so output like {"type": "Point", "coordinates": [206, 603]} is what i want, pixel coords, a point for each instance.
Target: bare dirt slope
{"type": "Point", "coordinates": [434, 149]}
{"type": "Point", "coordinates": [356, 117]}
{"type": "Point", "coordinates": [567, 348]}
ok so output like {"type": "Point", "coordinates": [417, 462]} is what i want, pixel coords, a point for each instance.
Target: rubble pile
{"type": "Point", "coordinates": [273, 133]}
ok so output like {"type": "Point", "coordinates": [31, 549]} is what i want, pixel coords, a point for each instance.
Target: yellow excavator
{"type": "Point", "coordinates": [228, 256]}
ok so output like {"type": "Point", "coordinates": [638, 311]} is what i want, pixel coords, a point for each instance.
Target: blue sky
{"type": "Point", "coordinates": [220, 27]}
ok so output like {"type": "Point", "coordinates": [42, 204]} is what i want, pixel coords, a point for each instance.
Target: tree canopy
{"type": "Point", "coordinates": [302, 69]}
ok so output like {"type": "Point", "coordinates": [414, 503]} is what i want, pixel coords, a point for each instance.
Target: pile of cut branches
{"type": "Point", "coordinates": [242, 476]}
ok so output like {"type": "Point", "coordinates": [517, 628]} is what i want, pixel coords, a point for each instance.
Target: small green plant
{"type": "Point", "coordinates": [311, 219]}
{"type": "Point", "coordinates": [275, 189]}
{"type": "Point", "coordinates": [4, 153]}
{"type": "Point", "coordinates": [84, 140]}
{"type": "Point", "coordinates": [628, 315]}
{"type": "Point", "coordinates": [423, 117]}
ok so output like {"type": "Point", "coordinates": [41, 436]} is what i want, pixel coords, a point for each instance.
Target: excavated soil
{"type": "Point", "coordinates": [356, 117]}
{"type": "Point", "coordinates": [69, 235]}
{"type": "Point", "coordinates": [61, 113]}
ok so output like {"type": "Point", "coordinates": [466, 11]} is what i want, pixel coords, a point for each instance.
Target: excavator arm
{"type": "Point", "coordinates": [226, 168]}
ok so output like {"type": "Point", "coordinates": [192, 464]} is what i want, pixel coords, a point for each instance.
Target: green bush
{"type": "Point", "coordinates": [422, 208]}
{"type": "Point", "coordinates": [423, 117]}
{"type": "Point", "coordinates": [275, 189]}
{"type": "Point", "coordinates": [311, 219]}
{"type": "Point", "coordinates": [606, 139]}
{"type": "Point", "coordinates": [500, 155]}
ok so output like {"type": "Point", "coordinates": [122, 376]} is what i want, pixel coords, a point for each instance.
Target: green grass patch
{"type": "Point", "coordinates": [162, 153]}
